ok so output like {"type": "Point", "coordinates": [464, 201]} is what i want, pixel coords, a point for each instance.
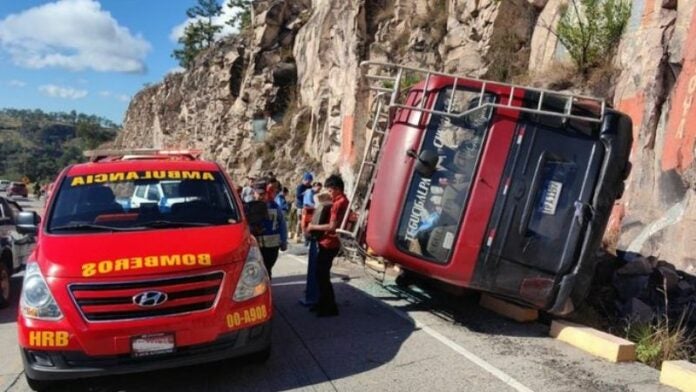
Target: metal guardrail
{"type": "Point", "coordinates": [394, 74]}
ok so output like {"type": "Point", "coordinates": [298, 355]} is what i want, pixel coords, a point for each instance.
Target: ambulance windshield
{"type": "Point", "coordinates": [141, 201]}
{"type": "Point", "coordinates": [434, 204]}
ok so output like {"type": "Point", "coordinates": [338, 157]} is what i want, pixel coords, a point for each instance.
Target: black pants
{"type": "Point", "coordinates": [270, 256]}
{"type": "Point", "coordinates": [327, 301]}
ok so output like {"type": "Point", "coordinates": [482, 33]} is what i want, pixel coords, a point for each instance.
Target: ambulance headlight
{"type": "Point", "coordinates": [253, 280]}
{"type": "Point", "coordinates": [36, 300]}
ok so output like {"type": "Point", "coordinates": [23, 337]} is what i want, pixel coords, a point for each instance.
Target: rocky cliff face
{"type": "Point", "coordinates": [287, 95]}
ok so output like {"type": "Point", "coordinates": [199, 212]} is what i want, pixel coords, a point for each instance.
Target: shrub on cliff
{"type": "Point", "coordinates": [591, 29]}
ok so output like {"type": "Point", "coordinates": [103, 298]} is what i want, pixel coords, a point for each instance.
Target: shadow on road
{"type": "Point", "coordinates": [307, 350]}
{"type": "Point", "coordinates": [461, 309]}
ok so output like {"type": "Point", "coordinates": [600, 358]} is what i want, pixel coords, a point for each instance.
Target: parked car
{"type": "Point", "coordinates": [14, 247]}
{"type": "Point", "coordinates": [173, 287]}
{"type": "Point", "coordinates": [17, 189]}
{"type": "Point", "coordinates": [164, 193]}
{"type": "Point", "coordinates": [4, 184]}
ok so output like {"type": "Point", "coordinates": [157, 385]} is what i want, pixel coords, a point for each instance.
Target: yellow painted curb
{"type": "Point", "coordinates": [507, 309]}
{"type": "Point", "coordinates": [593, 341]}
{"type": "Point", "coordinates": [679, 374]}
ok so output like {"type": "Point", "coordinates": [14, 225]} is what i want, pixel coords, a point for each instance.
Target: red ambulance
{"type": "Point", "coordinates": [114, 287]}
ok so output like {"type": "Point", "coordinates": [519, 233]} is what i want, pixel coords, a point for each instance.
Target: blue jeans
{"type": "Point", "coordinates": [312, 287]}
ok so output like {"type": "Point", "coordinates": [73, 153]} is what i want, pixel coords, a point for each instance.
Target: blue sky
{"type": "Point", "coordinates": [86, 55]}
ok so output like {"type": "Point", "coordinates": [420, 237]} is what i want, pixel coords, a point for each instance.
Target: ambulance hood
{"type": "Point", "coordinates": [141, 253]}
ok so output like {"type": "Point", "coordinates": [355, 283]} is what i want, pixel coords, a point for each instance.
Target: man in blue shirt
{"type": "Point", "coordinates": [307, 179]}
{"type": "Point", "coordinates": [270, 231]}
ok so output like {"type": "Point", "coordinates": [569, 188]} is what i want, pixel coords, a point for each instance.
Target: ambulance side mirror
{"type": "Point", "coordinates": [426, 162]}
{"type": "Point", "coordinates": [28, 222]}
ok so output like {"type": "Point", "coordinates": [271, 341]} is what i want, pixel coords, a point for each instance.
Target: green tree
{"type": "Point", "coordinates": [200, 34]}
{"type": "Point", "coordinates": [241, 20]}
{"type": "Point", "coordinates": [191, 45]}
{"type": "Point", "coordinates": [204, 12]}
{"type": "Point", "coordinates": [590, 29]}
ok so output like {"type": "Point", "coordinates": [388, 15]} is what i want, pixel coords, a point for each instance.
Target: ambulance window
{"type": "Point", "coordinates": [140, 201]}
{"type": "Point", "coordinates": [434, 205]}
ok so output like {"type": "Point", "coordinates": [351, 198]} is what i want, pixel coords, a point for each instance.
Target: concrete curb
{"type": "Point", "coordinates": [679, 374]}
{"type": "Point", "coordinates": [593, 341]}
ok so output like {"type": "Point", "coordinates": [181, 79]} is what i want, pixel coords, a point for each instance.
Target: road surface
{"type": "Point", "coordinates": [385, 339]}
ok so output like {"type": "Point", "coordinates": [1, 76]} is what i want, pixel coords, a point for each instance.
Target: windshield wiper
{"type": "Point", "coordinates": [166, 223]}
{"type": "Point", "coordinates": [87, 226]}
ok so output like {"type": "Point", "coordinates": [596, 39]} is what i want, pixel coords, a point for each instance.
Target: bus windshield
{"type": "Point", "coordinates": [141, 201]}
{"type": "Point", "coordinates": [434, 204]}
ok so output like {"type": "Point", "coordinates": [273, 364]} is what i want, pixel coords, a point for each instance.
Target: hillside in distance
{"type": "Point", "coordinates": [38, 145]}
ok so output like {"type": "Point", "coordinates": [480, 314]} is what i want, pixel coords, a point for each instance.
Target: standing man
{"type": "Point", "coordinates": [282, 200]}
{"type": "Point", "coordinates": [308, 207]}
{"type": "Point", "coordinates": [329, 245]}
{"type": "Point", "coordinates": [270, 230]}
{"type": "Point", "coordinates": [248, 191]}
{"type": "Point", "coordinates": [299, 202]}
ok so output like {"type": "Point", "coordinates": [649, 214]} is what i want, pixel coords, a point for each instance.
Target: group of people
{"type": "Point", "coordinates": [318, 215]}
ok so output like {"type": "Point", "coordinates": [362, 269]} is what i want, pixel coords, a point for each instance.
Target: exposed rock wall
{"type": "Point", "coordinates": [297, 74]}
{"type": "Point", "coordinates": [657, 86]}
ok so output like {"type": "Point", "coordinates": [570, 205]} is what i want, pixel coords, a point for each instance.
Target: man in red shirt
{"type": "Point", "coordinates": [329, 245]}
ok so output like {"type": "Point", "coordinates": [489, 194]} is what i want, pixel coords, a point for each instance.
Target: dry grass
{"type": "Point", "coordinates": [507, 58]}
{"type": "Point", "coordinates": [600, 81]}
{"type": "Point", "coordinates": [661, 341]}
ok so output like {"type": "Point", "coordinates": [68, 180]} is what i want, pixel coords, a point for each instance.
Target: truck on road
{"type": "Point", "coordinates": [500, 188]}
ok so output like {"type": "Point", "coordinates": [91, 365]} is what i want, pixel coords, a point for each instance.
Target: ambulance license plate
{"type": "Point", "coordinates": [552, 194]}
{"type": "Point", "coordinates": [155, 344]}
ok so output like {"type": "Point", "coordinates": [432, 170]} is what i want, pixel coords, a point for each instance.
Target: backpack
{"type": "Point", "coordinates": [322, 215]}
{"type": "Point", "coordinates": [257, 215]}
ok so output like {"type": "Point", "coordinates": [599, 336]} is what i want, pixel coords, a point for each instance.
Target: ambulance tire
{"type": "Point", "coordinates": [5, 287]}
{"type": "Point", "coordinates": [260, 357]}
{"type": "Point", "coordinates": [40, 385]}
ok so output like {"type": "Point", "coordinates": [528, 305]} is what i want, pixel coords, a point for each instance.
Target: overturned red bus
{"type": "Point", "coordinates": [484, 185]}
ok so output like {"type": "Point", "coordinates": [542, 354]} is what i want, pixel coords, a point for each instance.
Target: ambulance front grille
{"type": "Point", "coordinates": [116, 301]}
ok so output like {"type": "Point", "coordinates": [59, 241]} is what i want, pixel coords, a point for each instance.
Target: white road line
{"type": "Point", "coordinates": [497, 373]}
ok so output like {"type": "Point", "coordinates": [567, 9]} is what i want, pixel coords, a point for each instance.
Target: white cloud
{"type": "Point", "coordinates": [16, 83]}
{"type": "Point", "coordinates": [221, 20]}
{"type": "Point", "coordinates": [72, 34]}
{"type": "Point", "coordinates": [52, 90]}
{"type": "Point", "coordinates": [118, 97]}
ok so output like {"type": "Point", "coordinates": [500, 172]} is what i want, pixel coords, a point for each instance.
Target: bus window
{"type": "Point", "coordinates": [434, 205]}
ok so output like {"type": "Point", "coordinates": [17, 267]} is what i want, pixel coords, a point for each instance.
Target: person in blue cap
{"type": "Point", "coordinates": [306, 183]}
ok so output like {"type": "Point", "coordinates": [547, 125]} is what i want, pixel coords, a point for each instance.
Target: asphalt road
{"type": "Point", "coordinates": [385, 339]}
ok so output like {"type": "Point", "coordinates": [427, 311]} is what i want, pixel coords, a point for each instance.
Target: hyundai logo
{"type": "Point", "coordinates": [149, 299]}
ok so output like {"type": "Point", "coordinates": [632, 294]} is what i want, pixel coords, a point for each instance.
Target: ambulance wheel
{"type": "Point", "coordinates": [5, 289]}
{"type": "Point", "coordinates": [260, 356]}
{"type": "Point", "coordinates": [39, 385]}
